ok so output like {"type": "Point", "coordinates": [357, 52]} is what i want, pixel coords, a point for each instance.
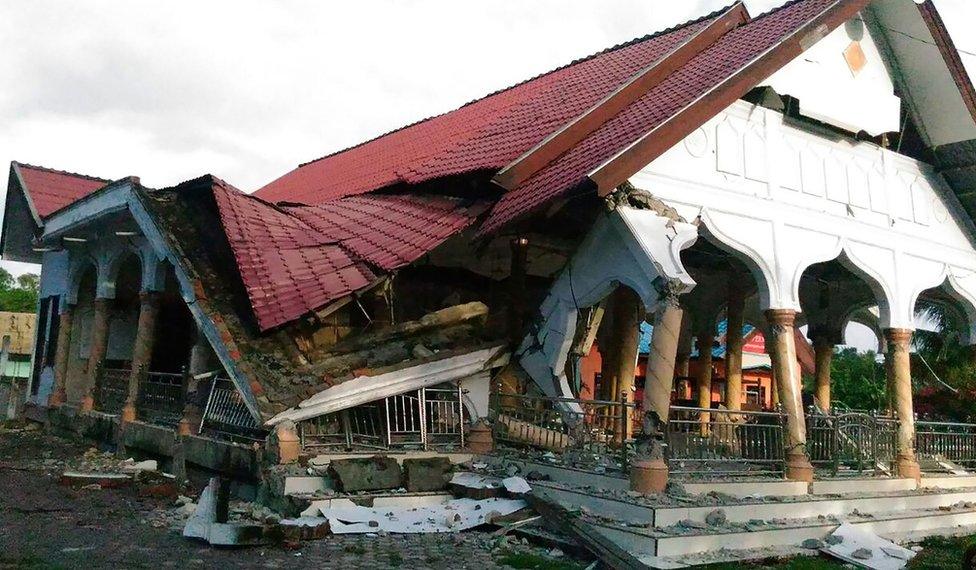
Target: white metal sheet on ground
{"type": "Point", "coordinates": [456, 515]}
{"type": "Point", "coordinates": [885, 555]}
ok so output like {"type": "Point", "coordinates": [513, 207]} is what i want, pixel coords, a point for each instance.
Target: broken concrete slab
{"type": "Point", "coordinates": [132, 466]}
{"type": "Point", "coordinates": [305, 528]}
{"type": "Point", "coordinates": [205, 515]}
{"type": "Point", "coordinates": [516, 486]}
{"type": "Point", "coordinates": [426, 474]}
{"type": "Point", "coordinates": [475, 486]}
{"type": "Point", "coordinates": [455, 515]}
{"type": "Point", "coordinates": [864, 548]}
{"type": "Point", "coordinates": [366, 474]}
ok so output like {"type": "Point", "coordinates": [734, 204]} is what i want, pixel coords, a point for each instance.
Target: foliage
{"type": "Point", "coordinates": [534, 561]}
{"type": "Point", "coordinates": [941, 552]}
{"type": "Point", "coordinates": [942, 370]}
{"type": "Point", "coordinates": [18, 295]}
{"type": "Point", "coordinates": [858, 380]}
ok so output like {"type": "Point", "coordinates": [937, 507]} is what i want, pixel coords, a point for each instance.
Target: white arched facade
{"type": "Point", "coordinates": [783, 198]}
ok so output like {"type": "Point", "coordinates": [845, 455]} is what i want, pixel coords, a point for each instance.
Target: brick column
{"type": "Point", "coordinates": [900, 371]}
{"type": "Point", "coordinates": [650, 474]}
{"type": "Point", "coordinates": [99, 345]}
{"type": "Point", "coordinates": [142, 350]}
{"type": "Point", "coordinates": [733, 347]}
{"type": "Point", "coordinates": [781, 321]}
{"type": "Point", "coordinates": [706, 338]}
{"type": "Point", "coordinates": [59, 393]}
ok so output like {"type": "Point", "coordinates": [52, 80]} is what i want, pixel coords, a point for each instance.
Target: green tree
{"type": "Point", "coordinates": [20, 295]}
{"type": "Point", "coordinates": [858, 380]}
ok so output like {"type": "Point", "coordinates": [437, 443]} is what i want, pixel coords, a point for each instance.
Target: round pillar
{"type": "Point", "coordinates": [706, 338]}
{"type": "Point", "coordinates": [733, 347]}
{"type": "Point", "coordinates": [900, 379]}
{"type": "Point", "coordinates": [783, 349]}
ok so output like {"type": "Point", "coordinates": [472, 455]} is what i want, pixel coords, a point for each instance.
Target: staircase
{"type": "Point", "coordinates": [691, 530]}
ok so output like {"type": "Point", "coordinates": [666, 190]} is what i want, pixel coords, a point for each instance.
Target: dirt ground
{"type": "Point", "coordinates": [46, 525]}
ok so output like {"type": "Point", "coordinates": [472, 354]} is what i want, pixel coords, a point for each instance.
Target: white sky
{"type": "Point", "coordinates": [248, 89]}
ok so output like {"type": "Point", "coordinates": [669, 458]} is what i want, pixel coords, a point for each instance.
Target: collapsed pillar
{"type": "Point", "coordinates": [649, 474]}
{"type": "Point", "coordinates": [141, 351]}
{"type": "Point", "coordinates": [733, 347]}
{"type": "Point", "coordinates": [59, 394]}
{"type": "Point", "coordinates": [900, 379]}
{"type": "Point", "coordinates": [99, 345]}
{"type": "Point", "coordinates": [783, 350]}
{"type": "Point", "coordinates": [201, 362]}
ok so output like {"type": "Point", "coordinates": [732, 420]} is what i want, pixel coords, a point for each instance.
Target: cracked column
{"type": "Point", "coordinates": [781, 321]}
{"type": "Point", "coordinates": [59, 393]}
{"type": "Point", "coordinates": [142, 350]}
{"type": "Point", "coordinates": [650, 474]}
{"type": "Point", "coordinates": [900, 379]}
{"type": "Point", "coordinates": [99, 345]}
{"type": "Point", "coordinates": [733, 348]}
{"type": "Point", "coordinates": [706, 338]}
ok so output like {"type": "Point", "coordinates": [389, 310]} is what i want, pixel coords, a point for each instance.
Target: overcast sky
{"type": "Point", "coordinates": [247, 89]}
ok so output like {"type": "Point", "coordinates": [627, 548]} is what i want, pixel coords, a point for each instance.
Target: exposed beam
{"type": "Point", "coordinates": [634, 88]}
{"type": "Point", "coordinates": [673, 130]}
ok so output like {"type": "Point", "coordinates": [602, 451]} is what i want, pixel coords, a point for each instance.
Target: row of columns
{"type": "Point", "coordinates": [666, 357]}
{"type": "Point", "coordinates": [98, 348]}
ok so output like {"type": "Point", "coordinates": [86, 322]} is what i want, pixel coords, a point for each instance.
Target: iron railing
{"type": "Point", "coordinates": [162, 396]}
{"type": "Point", "coordinates": [111, 388]}
{"type": "Point", "coordinates": [849, 441]}
{"type": "Point", "coordinates": [426, 418]}
{"type": "Point", "coordinates": [559, 425]}
{"type": "Point", "coordinates": [724, 442]}
{"type": "Point", "coordinates": [955, 442]}
{"type": "Point", "coordinates": [226, 415]}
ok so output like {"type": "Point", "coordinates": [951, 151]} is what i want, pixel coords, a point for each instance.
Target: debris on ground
{"type": "Point", "coordinates": [864, 548]}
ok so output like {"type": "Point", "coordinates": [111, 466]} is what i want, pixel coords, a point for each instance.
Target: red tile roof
{"type": "Point", "coordinates": [50, 190]}
{"type": "Point", "coordinates": [488, 134]}
{"type": "Point", "coordinates": [294, 260]}
{"type": "Point", "coordinates": [729, 54]}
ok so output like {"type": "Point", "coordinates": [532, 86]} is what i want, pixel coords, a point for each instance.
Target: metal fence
{"type": "Point", "coordinates": [851, 442]}
{"type": "Point", "coordinates": [226, 415]}
{"type": "Point", "coordinates": [426, 418]}
{"type": "Point", "coordinates": [111, 388]}
{"type": "Point", "coordinates": [162, 396]}
{"type": "Point", "coordinates": [560, 425]}
{"type": "Point", "coordinates": [723, 442]}
{"type": "Point", "coordinates": [955, 442]}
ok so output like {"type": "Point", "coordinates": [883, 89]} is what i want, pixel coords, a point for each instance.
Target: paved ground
{"type": "Point", "coordinates": [46, 525]}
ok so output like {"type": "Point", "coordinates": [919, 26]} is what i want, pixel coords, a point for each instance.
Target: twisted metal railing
{"type": "Point", "coordinates": [226, 416]}
{"type": "Point", "coordinates": [601, 428]}
{"type": "Point", "coordinates": [725, 442]}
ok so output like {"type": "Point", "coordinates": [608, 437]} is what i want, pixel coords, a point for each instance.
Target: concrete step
{"type": "Point", "coordinates": [948, 482]}
{"type": "Point", "coordinates": [631, 511]}
{"type": "Point", "coordinates": [844, 486]}
{"type": "Point", "coordinates": [651, 546]}
{"type": "Point", "coordinates": [743, 489]}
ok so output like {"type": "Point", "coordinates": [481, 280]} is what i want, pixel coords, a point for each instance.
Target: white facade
{"type": "Point", "coordinates": [783, 196]}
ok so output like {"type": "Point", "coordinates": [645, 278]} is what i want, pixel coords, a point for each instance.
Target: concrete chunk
{"type": "Point", "coordinates": [366, 474]}
{"type": "Point", "coordinates": [426, 474]}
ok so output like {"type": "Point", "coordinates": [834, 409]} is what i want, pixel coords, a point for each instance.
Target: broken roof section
{"type": "Point", "coordinates": [296, 259]}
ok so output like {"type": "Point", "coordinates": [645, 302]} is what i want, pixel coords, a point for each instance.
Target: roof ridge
{"type": "Point", "coordinates": [64, 172]}
{"type": "Point", "coordinates": [644, 38]}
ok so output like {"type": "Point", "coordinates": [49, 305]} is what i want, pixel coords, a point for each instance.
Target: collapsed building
{"type": "Point", "coordinates": [437, 287]}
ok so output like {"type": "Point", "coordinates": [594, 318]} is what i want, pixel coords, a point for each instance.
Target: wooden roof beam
{"type": "Point", "coordinates": [672, 131]}
{"type": "Point", "coordinates": [579, 128]}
